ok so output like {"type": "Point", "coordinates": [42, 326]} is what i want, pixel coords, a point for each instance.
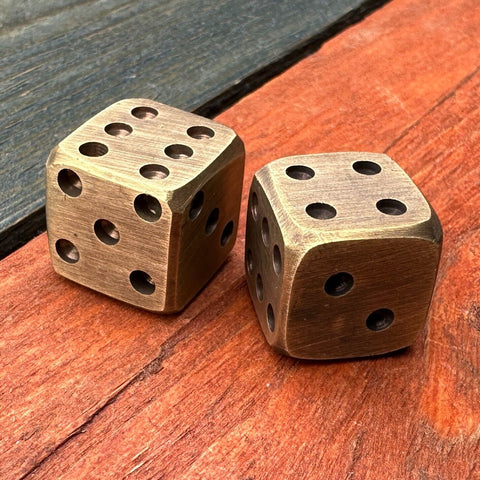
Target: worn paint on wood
{"type": "Point", "coordinates": [63, 62]}
{"type": "Point", "coordinates": [93, 388]}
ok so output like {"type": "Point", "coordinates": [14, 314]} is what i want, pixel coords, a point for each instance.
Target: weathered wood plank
{"type": "Point", "coordinates": [55, 331]}
{"type": "Point", "coordinates": [92, 388]}
{"type": "Point", "coordinates": [63, 61]}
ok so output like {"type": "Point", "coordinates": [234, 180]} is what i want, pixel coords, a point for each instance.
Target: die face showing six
{"type": "Point", "coordinates": [126, 195]}
{"type": "Point", "coordinates": [361, 252]}
{"type": "Point", "coordinates": [268, 269]}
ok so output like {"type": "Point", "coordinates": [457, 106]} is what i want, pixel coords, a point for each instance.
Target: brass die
{"type": "Point", "coordinates": [342, 252]}
{"type": "Point", "coordinates": [143, 203]}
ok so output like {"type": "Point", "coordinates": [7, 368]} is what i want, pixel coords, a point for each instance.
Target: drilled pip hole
{"type": "Point", "coordinates": [118, 129]}
{"type": "Point", "coordinates": [212, 221]}
{"type": "Point", "coordinates": [144, 113]}
{"type": "Point", "coordinates": [196, 205]}
{"type": "Point", "coordinates": [300, 172]}
{"type": "Point", "coordinates": [67, 251]}
{"type": "Point", "coordinates": [93, 149]}
{"type": "Point", "coordinates": [321, 211]}
{"type": "Point", "coordinates": [154, 171]}
{"type": "Point", "coordinates": [389, 206]}
{"type": "Point", "coordinates": [106, 232]}
{"type": "Point", "coordinates": [254, 206]}
{"type": "Point", "coordinates": [249, 262]}
{"type": "Point", "coordinates": [277, 260]}
{"type": "Point", "coordinates": [147, 207]}
{"type": "Point", "coordinates": [265, 232]}
{"type": "Point", "coordinates": [380, 319]}
{"type": "Point", "coordinates": [142, 282]}
{"type": "Point", "coordinates": [367, 168]}
{"type": "Point", "coordinates": [200, 133]}
{"type": "Point", "coordinates": [259, 287]}
{"type": "Point", "coordinates": [227, 233]}
{"type": "Point", "coordinates": [270, 318]}
{"type": "Point", "coordinates": [178, 151]}
{"type": "Point", "coordinates": [69, 182]}
{"type": "Point", "coordinates": [339, 284]}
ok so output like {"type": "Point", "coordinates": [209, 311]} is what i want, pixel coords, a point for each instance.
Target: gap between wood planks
{"type": "Point", "coordinates": [155, 365]}
{"type": "Point", "coordinates": [436, 98]}
{"type": "Point", "coordinates": [35, 223]}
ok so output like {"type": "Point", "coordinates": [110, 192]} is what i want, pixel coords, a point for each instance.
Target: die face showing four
{"type": "Point", "coordinates": [361, 251]}
{"type": "Point", "coordinates": [127, 193]}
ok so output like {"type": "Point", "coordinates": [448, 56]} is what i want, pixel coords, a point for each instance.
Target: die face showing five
{"type": "Point", "coordinates": [361, 249]}
{"type": "Point", "coordinates": [129, 196]}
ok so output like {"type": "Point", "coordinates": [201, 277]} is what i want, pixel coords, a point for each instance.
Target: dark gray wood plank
{"type": "Point", "coordinates": [63, 61]}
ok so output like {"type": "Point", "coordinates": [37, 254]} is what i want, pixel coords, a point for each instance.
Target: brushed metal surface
{"type": "Point", "coordinates": [348, 265]}
{"type": "Point", "coordinates": [120, 190]}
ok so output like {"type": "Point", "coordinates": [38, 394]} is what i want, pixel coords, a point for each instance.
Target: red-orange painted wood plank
{"type": "Point", "coordinates": [66, 351]}
{"type": "Point", "coordinates": [200, 395]}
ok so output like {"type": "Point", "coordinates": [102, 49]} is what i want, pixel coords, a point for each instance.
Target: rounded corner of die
{"type": "Point", "coordinates": [61, 154]}
{"type": "Point", "coordinates": [436, 228]}
{"type": "Point", "coordinates": [282, 349]}
{"type": "Point", "coordinates": [239, 146]}
{"type": "Point", "coordinates": [53, 156]}
{"type": "Point", "coordinates": [430, 230]}
{"type": "Point", "coordinates": [304, 248]}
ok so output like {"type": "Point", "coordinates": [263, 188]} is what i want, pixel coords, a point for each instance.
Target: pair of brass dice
{"type": "Point", "coordinates": [341, 252]}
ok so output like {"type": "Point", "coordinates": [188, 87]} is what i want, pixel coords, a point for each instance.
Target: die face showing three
{"type": "Point", "coordinates": [359, 248]}
{"type": "Point", "coordinates": [138, 206]}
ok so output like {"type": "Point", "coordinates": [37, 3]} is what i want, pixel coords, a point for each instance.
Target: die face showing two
{"type": "Point", "coordinates": [360, 248]}
{"type": "Point", "coordinates": [137, 206]}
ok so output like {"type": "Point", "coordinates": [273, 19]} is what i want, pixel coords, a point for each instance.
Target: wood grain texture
{"type": "Point", "coordinates": [63, 61]}
{"type": "Point", "coordinates": [91, 388]}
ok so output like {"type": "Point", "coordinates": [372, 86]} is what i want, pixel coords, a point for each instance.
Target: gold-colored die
{"type": "Point", "coordinates": [143, 203]}
{"type": "Point", "coordinates": [342, 252]}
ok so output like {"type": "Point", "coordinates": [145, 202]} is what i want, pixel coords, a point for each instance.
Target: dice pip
{"type": "Point", "coordinates": [143, 203]}
{"type": "Point", "coordinates": [341, 255]}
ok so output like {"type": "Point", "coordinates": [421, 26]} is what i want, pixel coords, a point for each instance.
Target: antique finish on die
{"type": "Point", "coordinates": [143, 203]}
{"type": "Point", "coordinates": [342, 252]}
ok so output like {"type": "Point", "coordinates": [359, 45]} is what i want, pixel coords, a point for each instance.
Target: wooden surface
{"type": "Point", "coordinates": [62, 61]}
{"type": "Point", "coordinates": [92, 388]}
